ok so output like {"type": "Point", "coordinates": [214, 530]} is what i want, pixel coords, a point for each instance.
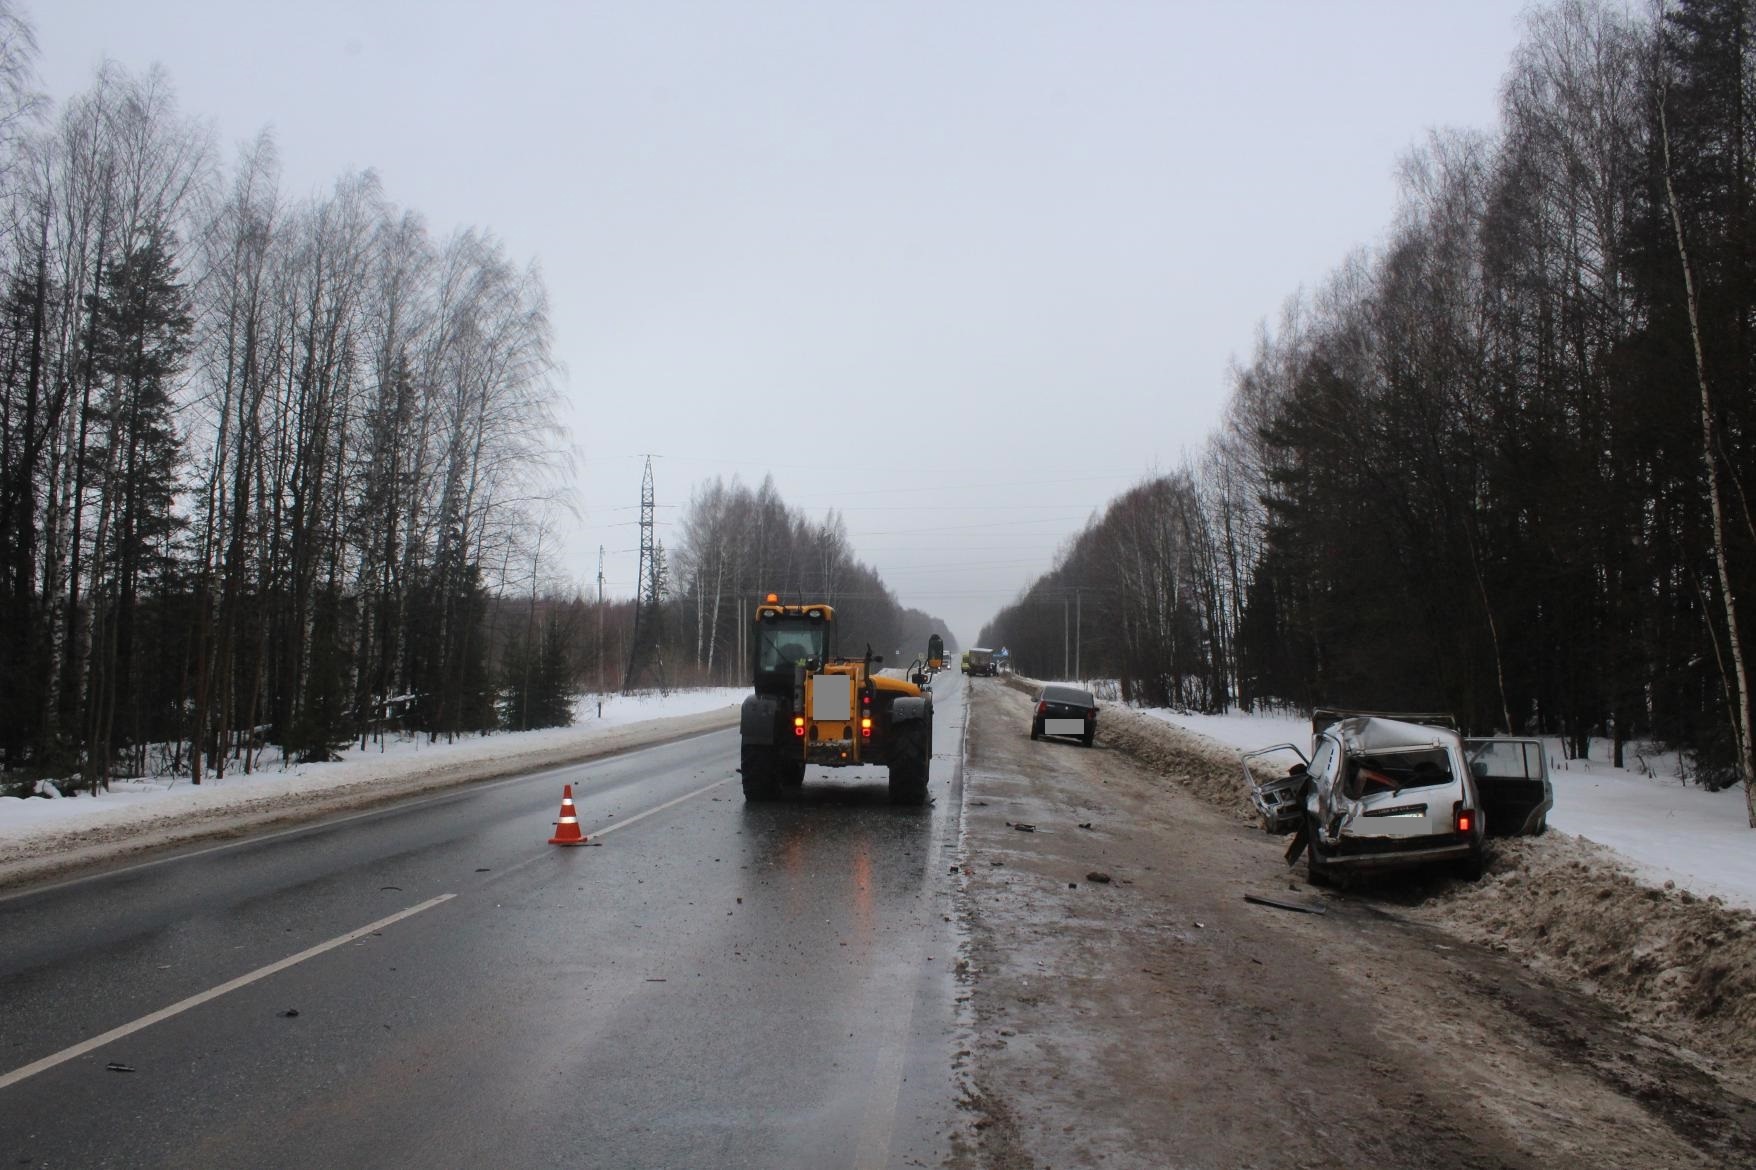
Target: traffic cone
{"type": "Point", "coordinates": [567, 828]}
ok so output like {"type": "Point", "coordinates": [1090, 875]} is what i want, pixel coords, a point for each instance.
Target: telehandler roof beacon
{"type": "Point", "coordinates": [811, 707]}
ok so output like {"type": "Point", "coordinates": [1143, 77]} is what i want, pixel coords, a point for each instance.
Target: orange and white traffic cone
{"type": "Point", "coordinates": [567, 828]}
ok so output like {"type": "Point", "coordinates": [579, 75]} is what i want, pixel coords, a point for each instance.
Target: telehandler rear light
{"type": "Point", "coordinates": [866, 728]}
{"type": "Point", "coordinates": [798, 725]}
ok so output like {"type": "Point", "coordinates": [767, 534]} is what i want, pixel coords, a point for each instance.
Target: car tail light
{"type": "Point", "coordinates": [798, 725]}
{"type": "Point", "coordinates": [1091, 714]}
{"type": "Point", "coordinates": [1465, 819]}
{"type": "Point", "coordinates": [1042, 708]}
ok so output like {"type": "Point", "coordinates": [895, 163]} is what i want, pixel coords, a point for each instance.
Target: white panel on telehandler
{"type": "Point", "coordinates": [832, 696]}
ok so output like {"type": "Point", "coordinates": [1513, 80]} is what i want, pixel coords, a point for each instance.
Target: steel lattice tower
{"type": "Point", "coordinates": [646, 654]}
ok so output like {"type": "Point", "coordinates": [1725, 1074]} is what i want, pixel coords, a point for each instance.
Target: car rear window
{"type": "Point", "coordinates": [1396, 771]}
{"type": "Point", "coordinates": [1070, 695]}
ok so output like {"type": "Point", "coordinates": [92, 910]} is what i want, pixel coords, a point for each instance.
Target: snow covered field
{"type": "Point", "coordinates": [1666, 830]}
{"type": "Point", "coordinates": [147, 811]}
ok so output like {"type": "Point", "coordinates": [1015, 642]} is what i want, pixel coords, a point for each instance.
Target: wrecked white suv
{"type": "Point", "coordinates": [1377, 792]}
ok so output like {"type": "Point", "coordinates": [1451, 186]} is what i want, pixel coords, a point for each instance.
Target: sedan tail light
{"type": "Point", "coordinates": [1042, 708]}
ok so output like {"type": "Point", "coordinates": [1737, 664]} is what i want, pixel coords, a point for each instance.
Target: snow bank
{"type": "Point", "coordinates": [1664, 829]}
{"type": "Point", "coordinates": [1642, 893]}
{"type": "Point", "coordinates": [38, 836]}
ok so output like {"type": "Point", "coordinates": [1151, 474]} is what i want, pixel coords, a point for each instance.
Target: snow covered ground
{"type": "Point", "coordinates": [1666, 829]}
{"type": "Point", "coordinates": [33, 825]}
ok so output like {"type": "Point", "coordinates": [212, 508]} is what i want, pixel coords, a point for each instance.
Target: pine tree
{"type": "Point", "coordinates": [142, 328]}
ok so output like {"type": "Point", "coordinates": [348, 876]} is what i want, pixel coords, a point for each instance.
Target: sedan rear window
{"type": "Point", "coordinates": [1072, 696]}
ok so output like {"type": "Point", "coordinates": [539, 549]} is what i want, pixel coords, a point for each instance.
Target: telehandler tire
{"type": "Point", "coordinates": [909, 758]}
{"type": "Point", "coordinates": [761, 772]}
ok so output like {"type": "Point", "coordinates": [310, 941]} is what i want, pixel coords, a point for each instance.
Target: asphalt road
{"type": "Point", "coordinates": [432, 984]}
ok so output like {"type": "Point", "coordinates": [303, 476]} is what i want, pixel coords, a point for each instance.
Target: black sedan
{"type": "Point", "coordinates": [1065, 710]}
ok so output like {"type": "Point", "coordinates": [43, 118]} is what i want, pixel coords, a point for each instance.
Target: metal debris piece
{"type": "Point", "coordinates": [117, 1066]}
{"type": "Point", "coordinates": [1022, 827]}
{"type": "Point", "coordinates": [1283, 904]}
{"type": "Point", "coordinates": [1085, 824]}
{"type": "Point", "coordinates": [1098, 876]}
{"type": "Point", "coordinates": [290, 1013]}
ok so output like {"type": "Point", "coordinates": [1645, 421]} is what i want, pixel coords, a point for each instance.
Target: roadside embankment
{"type": "Point", "coordinates": [1562, 905]}
{"type": "Point", "coordinates": [241, 805]}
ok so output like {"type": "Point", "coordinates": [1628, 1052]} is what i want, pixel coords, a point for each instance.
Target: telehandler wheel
{"type": "Point", "coordinates": [791, 773]}
{"type": "Point", "coordinates": [761, 772]}
{"type": "Point", "coordinates": [909, 758]}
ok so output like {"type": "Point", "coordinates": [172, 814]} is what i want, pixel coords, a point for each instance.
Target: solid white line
{"type": "Point", "coordinates": [80, 1049]}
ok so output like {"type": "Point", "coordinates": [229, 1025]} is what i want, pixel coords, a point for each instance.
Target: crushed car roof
{"type": "Point", "coordinates": [1375, 734]}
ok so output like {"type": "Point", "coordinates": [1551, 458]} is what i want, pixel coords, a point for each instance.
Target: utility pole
{"type": "Point", "coordinates": [600, 631]}
{"type": "Point", "coordinates": [1065, 662]}
{"type": "Point", "coordinates": [1077, 672]}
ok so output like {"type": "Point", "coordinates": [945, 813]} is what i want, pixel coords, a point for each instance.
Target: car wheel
{"type": "Point", "coordinates": [1470, 868]}
{"type": "Point", "coordinates": [1036, 730]}
{"type": "Point", "coordinates": [1087, 738]}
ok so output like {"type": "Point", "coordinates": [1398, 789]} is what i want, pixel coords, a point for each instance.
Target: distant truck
{"type": "Point", "coordinates": [980, 661]}
{"type": "Point", "coordinates": [935, 653]}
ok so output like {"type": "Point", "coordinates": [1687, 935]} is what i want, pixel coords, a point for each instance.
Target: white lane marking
{"type": "Point", "coordinates": [80, 1049]}
{"type": "Point", "coordinates": [872, 1150]}
{"type": "Point", "coordinates": [457, 791]}
{"type": "Point", "coordinates": [503, 874]}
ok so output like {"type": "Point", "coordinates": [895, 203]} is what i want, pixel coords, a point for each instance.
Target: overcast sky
{"type": "Point", "coordinates": [964, 271]}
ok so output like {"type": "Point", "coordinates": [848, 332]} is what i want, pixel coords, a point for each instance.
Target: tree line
{"type": "Point", "coordinates": [1501, 463]}
{"type": "Point", "coordinates": [736, 545]}
{"type": "Point", "coordinates": [272, 468]}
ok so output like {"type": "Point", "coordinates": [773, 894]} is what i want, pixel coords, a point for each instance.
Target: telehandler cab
{"type": "Point", "coordinates": [810, 707]}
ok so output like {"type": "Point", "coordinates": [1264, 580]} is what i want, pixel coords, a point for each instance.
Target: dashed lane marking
{"type": "Point", "coordinates": [181, 1006]}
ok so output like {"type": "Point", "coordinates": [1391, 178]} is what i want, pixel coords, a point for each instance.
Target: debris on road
{"type": "Point", "coordinates": [116, 1066]}
{"type": "Point", "coordinates": [1283, 904]}
{"type": "Point", "coordinates": [1098, 876]}
{"type": "Point", "coordinates": [290, 1013]}
{"type": "Point", "coordinates": [1085, 824]}
{"type": "Point", "coordinates": [1022, 827]}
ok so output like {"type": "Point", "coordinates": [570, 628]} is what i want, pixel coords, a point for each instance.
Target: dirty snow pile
{"type": "Point", "coordinates": [1643, 892]}
{"type": "Point", "coordinates": [153, 810]}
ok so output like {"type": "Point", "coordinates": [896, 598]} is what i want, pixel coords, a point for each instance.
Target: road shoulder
{"type": "Point", "coordinates": [1158, 1018]}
